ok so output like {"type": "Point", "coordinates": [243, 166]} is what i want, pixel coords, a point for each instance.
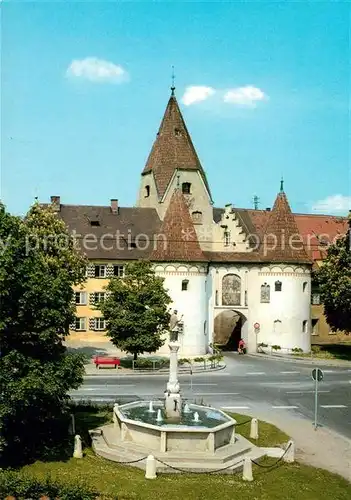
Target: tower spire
{"type": "Point", "coordinates": [173, 81]}
{"type": "Point", "coordinates": [282, 185]}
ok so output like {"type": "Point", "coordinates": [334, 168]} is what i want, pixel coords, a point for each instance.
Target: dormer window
{"type": "Point", "coordinates": [147, 191]}
{"type": "Point", "coordinates": [186, 187]}
{"type": "Point", "coordinates": [226, 238]}
{"type": "Point", "coordinates": [95, 223]}
{"type": "Point", "coordinates": [197, 217]}
{"type": "Point", "coordinates": [177, 132]}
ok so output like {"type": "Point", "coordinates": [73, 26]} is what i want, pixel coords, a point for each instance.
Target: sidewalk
{"type": "Point", "coordinates": [91, 370]}
{"type": "Point", "coordinates": [296, 359]}
{"type": "Point", "coordinates": [322, 448]}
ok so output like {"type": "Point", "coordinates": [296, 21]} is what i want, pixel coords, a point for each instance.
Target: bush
{"type": "Point", "coordinates": [297, 349]}
{"type": "Point", "coordinates": [316, 349]}
{"type": "Point", "coordinates": [21, 487]}
{"type": "Point", "coordinates": [184, 361]}
{"type": "Point", "coordinates": [276, 347]}
{"type": "Point", "coordinates": [146, 363]}
{"type": "Point", "coordinates": [199, 359]}
{"type": "Point", "coordinates": [262, 345]}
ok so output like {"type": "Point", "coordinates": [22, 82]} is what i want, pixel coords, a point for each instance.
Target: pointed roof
{"type": "Point", "coordinates": [173, 149]}
{"type": "Point", "coordinates": [180, 241]}
{"type": "Point", "coordinates": [281, 239]}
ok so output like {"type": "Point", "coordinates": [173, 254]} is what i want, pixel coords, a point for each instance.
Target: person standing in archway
{"type": "Point", "coordinates": [241, 347]}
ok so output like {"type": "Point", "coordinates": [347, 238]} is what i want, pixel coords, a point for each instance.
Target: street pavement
{"type": "Point", "coordinates": [256, 386]}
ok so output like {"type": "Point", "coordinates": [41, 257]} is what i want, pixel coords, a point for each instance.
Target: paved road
{"type": "Point", "coordinates": [247, 383]}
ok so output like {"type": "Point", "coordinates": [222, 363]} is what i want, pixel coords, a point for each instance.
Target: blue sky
{"type": "Point", "coordinates": [273, 78]}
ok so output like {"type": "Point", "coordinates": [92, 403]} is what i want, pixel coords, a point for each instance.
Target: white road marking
{"type": "Point", "coordinates": [305, 392]}
{"type": "Point", "coordinates": [328, 371]}
{"type": "Point", "coordinates": [284, 407]}
{"type": "Point", "coordinates": [99, 387]}
{"type": "Point", "coordinates": [217, 394]}
{"type": "Point", "coordinates": [203, 384]}
{"type": "Point", "coordinates": [256, 373]}
{"type": "Point", "coordinates": [235, 407]}
{"type": "Point", "coordinates": [286, 373]}
{"type": "Point", "coordinates": [333, 406]}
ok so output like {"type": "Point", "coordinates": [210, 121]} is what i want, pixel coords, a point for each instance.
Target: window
{"type": "Point", "coordinates": [185, 284]}
{"type": "Point", "coordinates": [216, 298]}
{"type": "Point", "coordinates": [226, 238]}
{"type": "Point", "coordinates": [245, 299]}
{"type": "Point", "coordinates": [314, 324]}
{"type": "Point", "coordinates": [231, 290]}
{"type": "Point", "coordinates": [118, 271]}
{"type": "Point", "coordinates": [277, 326]}
{"type": "Point", "coordinates": [278, 286]}
{"type": "Point", "coordinates": [100, 271]}
{"type": "Point", "coordinates": [100, 324]}
{"type": "Point", "coordinates": [316, 299]}
{"type": "Point", "coordinates": [304, 286]}
{"type": "Point", "coordinates": [99, 296]}
{"type": "Point", "coordinates": [186, 187]}
{"type": "Point", "coordinates": [177, 132]}
{"type": "Point", "coordinates": [147, 191]}
{"type": "Point", "coordinates": [81, 324]}
{"type": "Point", "coordinates": [304, 326]}
{"type": "Point", "coordinates": [81, 298]}
{"type": "Point", "coordinates": [197, 217]}
{"type": "Point", "coordinates": [265, 293]}
{"type": "Point", "coordinates": [95, 223]}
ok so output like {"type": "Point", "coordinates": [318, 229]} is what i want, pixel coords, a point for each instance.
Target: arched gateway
{"type": "Point", "coordinates": [229, 327]}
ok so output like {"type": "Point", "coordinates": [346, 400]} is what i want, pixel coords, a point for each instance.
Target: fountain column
{"type": "Point", "coordinates": [173, 406]}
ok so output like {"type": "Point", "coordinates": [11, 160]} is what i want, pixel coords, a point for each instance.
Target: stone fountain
{"type": "Point", "coordinates": [186, 436]}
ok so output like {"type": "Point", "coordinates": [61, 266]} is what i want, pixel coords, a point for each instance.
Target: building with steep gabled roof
{"type": "Point", "coordinates": [231, 272]}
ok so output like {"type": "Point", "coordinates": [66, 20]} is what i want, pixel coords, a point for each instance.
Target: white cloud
{"type": "Point", "coordinates": [196, 94]}
{"type": "Point", "coordinates": [244, 96]}
{"type": "Point", "coordinates": [332, 204]}
{"type": "Point", "coordinates": [97, 70]}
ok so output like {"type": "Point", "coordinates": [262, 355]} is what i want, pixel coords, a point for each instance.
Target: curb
{"type": "Point", "coordinates": [162, 371]}
{"type": "Point", "coordinates": [277, 357]}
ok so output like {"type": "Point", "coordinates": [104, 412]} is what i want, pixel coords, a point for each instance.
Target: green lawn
{"type": "Point", "coordinates": [285, 481]}
{"type": "Point", "coordinates": [336, 351]}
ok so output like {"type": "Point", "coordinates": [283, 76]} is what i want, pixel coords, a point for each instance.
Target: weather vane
{"type": "Point", "coordinates": [173, 81]}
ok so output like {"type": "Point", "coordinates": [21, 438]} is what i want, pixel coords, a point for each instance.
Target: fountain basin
{"type": "Point", "coordinates": [133, 423]}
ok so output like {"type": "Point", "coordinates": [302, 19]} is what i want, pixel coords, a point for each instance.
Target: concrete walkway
{"type": "Point", "coordinates": [297, 359]}
{"type": "Point", "coordinates": [322, 448]}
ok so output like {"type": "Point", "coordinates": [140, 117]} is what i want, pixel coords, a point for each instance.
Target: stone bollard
{"type": "Point", "coordinates": [78, 453]}
{"type": "Point", "coordinates": [247, 470]}
{"type": "Point", "coordinates": [254, 429]}
{"type": "Point", "coordinates": [150, 470]}
{"type": "Point", "coordinates": [290, 454]}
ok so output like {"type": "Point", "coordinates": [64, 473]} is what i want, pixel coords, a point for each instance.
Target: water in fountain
{"type": "Point", "coordinates": [151, 409]}
{"type": "Point", "coordinates": [186, 408]}
{"type": "Point", "coordinates": [159, 416]}
{"type": "Point", "coordinates": [196, 417]}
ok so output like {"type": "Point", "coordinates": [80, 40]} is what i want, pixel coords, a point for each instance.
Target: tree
{"type": "Point", "coordinates": [38, 266]}
{"type": "Point", "coordinates": [333, 279]}
{"type": "Point", "coordinates": [136, 310]}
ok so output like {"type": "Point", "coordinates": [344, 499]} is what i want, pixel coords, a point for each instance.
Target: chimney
{"type": "Point", "coordinates": [114, 206]}
{"type": "Point", "coordinates": [56, 203]}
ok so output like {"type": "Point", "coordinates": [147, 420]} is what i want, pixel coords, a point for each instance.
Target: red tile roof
{"type": "Point", "coordinates": [173, 149]}
{"type": "Point", "coordinates": [180, 242]}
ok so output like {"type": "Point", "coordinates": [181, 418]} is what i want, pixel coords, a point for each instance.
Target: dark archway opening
{"type": "Point", "coordinates": [233, 342]}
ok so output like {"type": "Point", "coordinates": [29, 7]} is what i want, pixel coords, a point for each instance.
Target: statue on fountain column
{"type": "Point", "coordinates": [174, 326]}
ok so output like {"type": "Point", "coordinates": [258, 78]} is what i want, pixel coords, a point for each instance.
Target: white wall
{"type": "Point", "coordinates": [291, 306]}
{"type": "Point", "coordinates": [191, 304]}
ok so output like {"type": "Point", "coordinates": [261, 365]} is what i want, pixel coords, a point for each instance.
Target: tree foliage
{"type": "Point", "coordinates": [136, 310]}
{"type": "Point", "coordinates": [38, 266]}
{"type": "Point", "coordinates": [333, 279]}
